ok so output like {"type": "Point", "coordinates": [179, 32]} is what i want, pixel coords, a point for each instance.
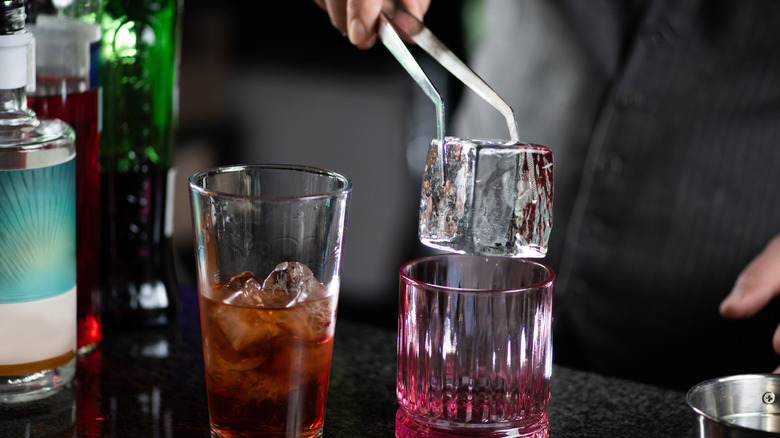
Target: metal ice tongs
{"type": "Point", "coordinates": [395, 20]}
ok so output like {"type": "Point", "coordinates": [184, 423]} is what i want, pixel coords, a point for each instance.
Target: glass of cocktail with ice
{"type": "Point", "coordinates": [268, 246]}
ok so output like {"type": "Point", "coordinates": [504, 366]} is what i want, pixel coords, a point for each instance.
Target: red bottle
{"type": "Point", "coordinates": [66, 88]}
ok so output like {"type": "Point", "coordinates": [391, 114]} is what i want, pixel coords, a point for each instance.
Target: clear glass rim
{"type": "Point", "coordinates": [547, 281]}
{"type": "Point", "coordinates": [195, 181]}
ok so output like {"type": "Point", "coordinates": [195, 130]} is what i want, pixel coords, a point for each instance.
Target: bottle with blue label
{"type": "Point", "coordinates": [37, 230]}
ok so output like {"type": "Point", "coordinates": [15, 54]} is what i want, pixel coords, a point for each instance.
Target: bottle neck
{"type": "Point", "coordinates": [13, 108]}
{"type": "Point", "coordinates": [14, 73]}
{"type": "Point", "coordinates": [13, 100]}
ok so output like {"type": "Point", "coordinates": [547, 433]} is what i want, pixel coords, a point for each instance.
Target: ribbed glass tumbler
{"type": "Point", "coordinates": [474, 347]}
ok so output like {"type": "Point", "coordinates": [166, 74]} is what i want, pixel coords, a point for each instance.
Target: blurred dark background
{"type": "Point", "coordinates": [274, 82]}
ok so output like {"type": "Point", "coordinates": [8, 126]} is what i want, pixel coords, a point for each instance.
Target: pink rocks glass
{"type": "Point", "coordinates": [474, 347]}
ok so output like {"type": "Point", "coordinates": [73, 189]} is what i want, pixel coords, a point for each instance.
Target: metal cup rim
{"type": "Point", "coordinates": [725, 379]}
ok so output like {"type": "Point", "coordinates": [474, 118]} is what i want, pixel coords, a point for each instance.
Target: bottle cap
{"type": "Point", "coordinates": [14, 60]}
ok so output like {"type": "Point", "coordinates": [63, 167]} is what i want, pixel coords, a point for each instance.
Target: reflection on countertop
{"type": "Point", "coordinates": [150, 383]}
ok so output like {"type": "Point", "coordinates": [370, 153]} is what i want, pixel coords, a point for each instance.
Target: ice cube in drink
{"type": "Point", "coordinates": [492, 198]}
{"type": "Point", "coordinates": [267, 363]}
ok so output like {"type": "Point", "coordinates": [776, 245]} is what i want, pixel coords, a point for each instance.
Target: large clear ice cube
{"type": "Point", "coordinates": [495, 199]}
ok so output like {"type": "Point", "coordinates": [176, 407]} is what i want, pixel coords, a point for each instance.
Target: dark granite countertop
{"type": "Point", "coordinates": [149, 383]}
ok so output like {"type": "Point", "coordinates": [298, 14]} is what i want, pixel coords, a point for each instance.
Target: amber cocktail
{"type": "Point", "coordinates": [268, 242]}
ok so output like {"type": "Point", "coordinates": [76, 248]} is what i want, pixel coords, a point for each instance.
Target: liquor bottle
{"type": "Point", "coordinates": [37, 230]}
{"type": "Point", "coordinates": [138, 75]}
{"type": "Point", "coordinates": [66, 88]}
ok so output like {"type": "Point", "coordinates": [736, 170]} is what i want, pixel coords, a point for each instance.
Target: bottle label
{"type": "Point", "coordinates": [35, 332]}
{"type": "Point", "coordinates": [37, 232]}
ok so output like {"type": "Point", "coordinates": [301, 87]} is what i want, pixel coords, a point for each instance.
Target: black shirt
{"type": "Point", "coordinates": [664, 118]}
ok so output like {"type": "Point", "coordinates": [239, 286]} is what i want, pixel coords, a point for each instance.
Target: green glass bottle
{"type": "Point", "coordinates": [139, 79]}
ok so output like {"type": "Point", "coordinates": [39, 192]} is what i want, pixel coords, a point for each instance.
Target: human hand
{"type": "Point", "coordinates": [357, 19]}
{"type": "Point", "coordinates": [756, 285]}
